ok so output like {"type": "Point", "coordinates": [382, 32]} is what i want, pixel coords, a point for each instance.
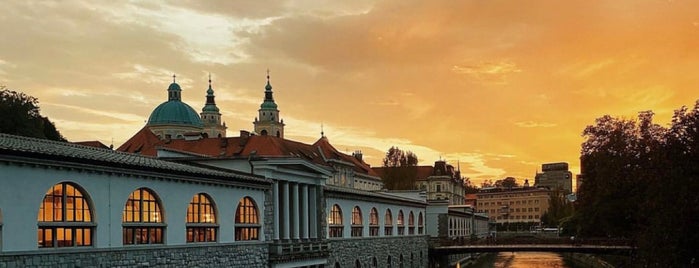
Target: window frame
{"type": "Point", "coordinates": [154, 230]}
{"type": "Point", "coordinates": [388, 223]}
{"type": "Point", "coordinates": [335, 226]}
{"type": "Point", "coordinates": [198, 230]}
{"type": "Point", "coordinates": [374, 222]}
{"type": "Point", "coordinates": [71, 227]}
{"type": "Point", "coordinates": [357, 222]}
{"type": "Point", "coordinates": [247, 225]}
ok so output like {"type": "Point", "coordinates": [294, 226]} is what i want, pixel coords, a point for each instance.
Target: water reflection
{"type": "Point", "coordinates": [524, 260]}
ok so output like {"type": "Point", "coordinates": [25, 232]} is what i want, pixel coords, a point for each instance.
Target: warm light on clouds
{"type": "Point", "coordinates": [498, 87]}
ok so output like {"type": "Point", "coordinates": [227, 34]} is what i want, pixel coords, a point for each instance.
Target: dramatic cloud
{"type": "Point", "coordinates": [499, 87]}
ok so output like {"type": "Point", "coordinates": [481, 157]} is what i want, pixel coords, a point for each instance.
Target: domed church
{"type": "Point", "coordinates": [175, 119]}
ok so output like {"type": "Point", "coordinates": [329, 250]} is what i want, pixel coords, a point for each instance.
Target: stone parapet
{"type": "Point", "coordinates": [248, 255]}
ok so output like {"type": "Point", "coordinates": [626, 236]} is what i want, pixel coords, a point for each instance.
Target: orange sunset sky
{"type": "Point", "coordinates": [499, 86]}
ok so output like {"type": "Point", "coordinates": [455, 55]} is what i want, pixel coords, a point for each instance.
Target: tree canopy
{"type": "Point", "coordinates": [19, 115]}
{"type": "Point", "coordinates": [640, 181]}
{"type": "Point", "coordinates": [400, 169]}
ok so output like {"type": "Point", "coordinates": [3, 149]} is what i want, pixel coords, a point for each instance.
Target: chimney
{"type": "Point", "coordinates": [358, 154]}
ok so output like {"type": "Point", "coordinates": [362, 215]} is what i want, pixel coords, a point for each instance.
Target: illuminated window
{"type": "Point", "coordinates": [374, 222]}
{"type": "Point", "coordinates": [357, 227]}
{"type": "Point", "coordinates": [388, 223]}
{"type": "Point", "coordinates": [335, 222]}
{"type": "Point", "coordinates": [247, 220]}
{"type": "Point", "coordinates": [142, 219]}
{"type": "Point", "coordinates": [65, 218]}
{"type": "Point", "coordinates": [201, 219]}
{"type": "Point", "coordinates": [411, 223]}
{"type": "Point", "coordinates": [420, 224]}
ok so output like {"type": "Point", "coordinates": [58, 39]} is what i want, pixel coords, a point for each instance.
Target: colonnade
{"type": "Point", "coordinates": [296, 207]}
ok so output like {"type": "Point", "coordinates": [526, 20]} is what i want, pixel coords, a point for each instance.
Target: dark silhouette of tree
{"type": "Point", "coordinates": [559, 211]}
{"type": "Point", "coordinates": [400, 171]}
{"type": "Point", "coordinates": [641, 182]}
{"type": "Point", "coordinates": [469, 187]}
{"type": "Point", "coordinates": [507, 183]}
{"type": "Point", "coordinates": [19, 115]}
{"type": "Point", "coordinates": [487, 183]}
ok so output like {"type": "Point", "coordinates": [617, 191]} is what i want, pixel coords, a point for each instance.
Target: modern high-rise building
{"type": "Point", "coordinates": [555, 176]}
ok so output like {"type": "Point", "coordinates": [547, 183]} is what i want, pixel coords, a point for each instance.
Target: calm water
{"type": "Point", "coordinates": [524, 260]}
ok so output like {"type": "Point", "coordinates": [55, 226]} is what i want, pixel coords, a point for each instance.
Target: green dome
{"type": "Point", "coordinates": [174, 113]}
{"type": "Point", "coordinates": [268, 105]}
{"type": "Point", "coordinates": [174, 86]}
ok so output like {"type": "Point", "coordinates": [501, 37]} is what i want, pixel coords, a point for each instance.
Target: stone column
{"type": "Point", "coordinates": [295, 210]}
{"type": "Point", "coordinates": [313, 209]}
{"type": "Point", "coordinates": [275, 198]}
{"type": "Point", "coordinates": [304, 211]}
{"type": "Point", "coordinates": [285, 209]}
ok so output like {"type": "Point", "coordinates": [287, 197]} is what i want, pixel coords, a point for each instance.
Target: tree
{"type": "Point", "coordinates": [19, 115]}
{"type": "Point", "coordinates": [641, 181]}
{"type": "Point", "coordinates": [395, 157]}
{"type": "Point", "coordinates": [487, 183]}
{"type": "Point", "coordinates": [508, 183]}
{"type": "Point", "coordinates": [400, 169]}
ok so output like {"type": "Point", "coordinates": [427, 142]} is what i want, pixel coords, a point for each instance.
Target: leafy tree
{"type": "Point", "coordinates": [400, 169]}
{"type": "Point", "coordinates": [641, 181]}
{"type": "Point", "coordinates": [19, 115]}
{"type": "Point", "coordinates": [487, 183]}
{"type": "Point", "coordinates": [395, 157]}
{"type": "Point", "coordinates": [469, 187]}
{"type": "Point", "coordinates": [508, 183]}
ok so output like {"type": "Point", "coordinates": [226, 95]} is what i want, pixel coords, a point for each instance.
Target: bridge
{"type": "Point", "coordinates": [611, 246]}
{"type": "Point", "coordinates": [592, 249]}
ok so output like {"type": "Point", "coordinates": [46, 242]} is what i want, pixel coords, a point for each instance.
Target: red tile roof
{"type": "Point", "coordinates": [321, 152]}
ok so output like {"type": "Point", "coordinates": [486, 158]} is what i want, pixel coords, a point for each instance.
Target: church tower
{"type": "Point", "coordinates": [211, 117]}
{"type": "Point", "coordinates": [268, 122]}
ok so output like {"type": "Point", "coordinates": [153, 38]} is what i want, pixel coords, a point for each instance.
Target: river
{"type": "Point", "coordinates": [524, 260]}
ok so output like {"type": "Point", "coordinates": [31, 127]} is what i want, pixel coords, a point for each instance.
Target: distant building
{"type": "Point", "coordinates": [441, 182]}
{"type": "Point", "coordinates": [517, 205]}
{"type": "Point", "coordinates": [555, 176]}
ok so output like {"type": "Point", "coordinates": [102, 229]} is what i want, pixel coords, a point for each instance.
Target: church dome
{"type": "Point", "coordinates": [174, 112]}
{"type": "Point", "coordinates": [174, 86]}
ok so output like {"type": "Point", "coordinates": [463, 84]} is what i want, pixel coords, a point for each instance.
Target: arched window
{"type": "Point", "coordinates": [357, 264]}
{"type": "Point", "coordinates": [388, 223]}
{"type": "Point", "coordinates": [411, 223]}
{"type": "Point", "coordinates": [374, 263]}
{"type": "Point", "coordinates": [337, 265]}
{"type": "Point", "coordinates": [335, 221]}
{"type": "Point", "coordinates": [65, 218]}
{"type": "Point", "coordinates": [374, 222]}
{"type": "Point", "coordinates": [388, 261]}
{"type": "Point", "coordinates": [400, 261]}
{"type": "Point", "coordinates": [263, 132]}
{"type": "Point", "coordinates": [357, 225]}
{"type": "Point", "coordinates": [401, 223]}
{"type": "Point", "coordinates": [142, 219]}
{"type": "Point", "coordinates": [201, 219]}
{"type": "Point", "coordinates": [412, 259]}
{"type": "Point", "coordinates": [420, 224]}
{"type": "Point", "coordinates": [247, 220]}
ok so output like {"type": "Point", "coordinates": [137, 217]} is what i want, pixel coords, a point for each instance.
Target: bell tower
{"type": "Point", "coordinates": [211, 116]}
{"type": "Point", "coordinates": [267, 122]}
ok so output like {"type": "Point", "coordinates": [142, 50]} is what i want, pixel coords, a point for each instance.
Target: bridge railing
{"type": "Point", "coordinates": [522, 240]}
